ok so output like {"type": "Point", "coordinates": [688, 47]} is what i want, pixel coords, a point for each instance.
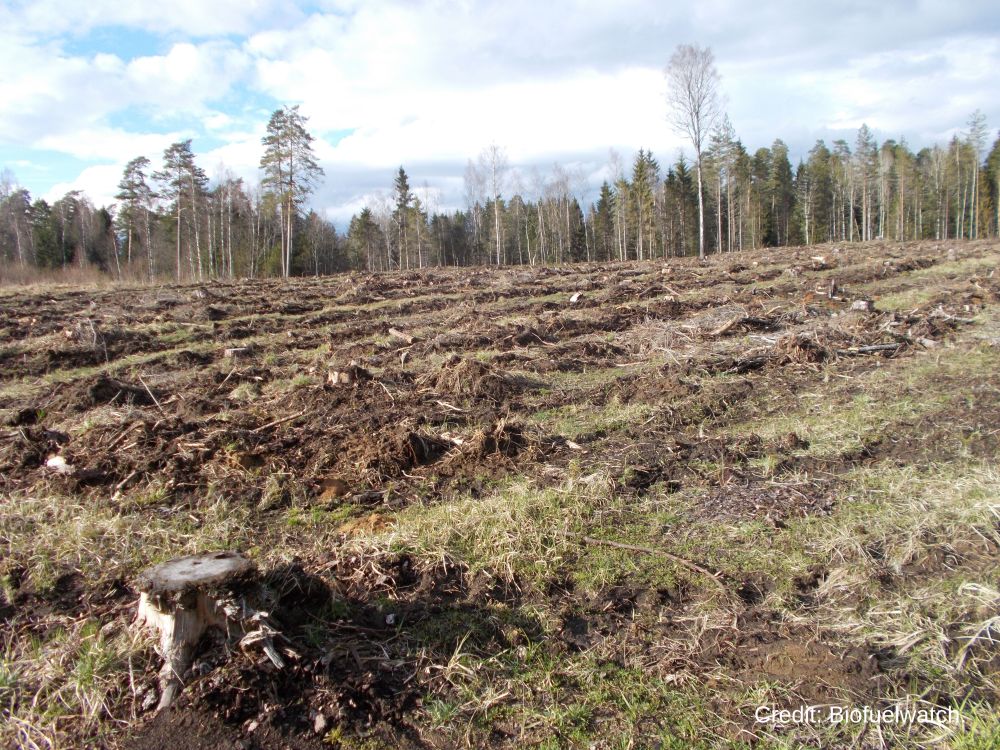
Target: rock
{"type": "Point", "coordinates": [863, 305]}
{"type": "Point", "coordinates": [59, 465]}
{"type": "Point", "coordinates": [320, 724]}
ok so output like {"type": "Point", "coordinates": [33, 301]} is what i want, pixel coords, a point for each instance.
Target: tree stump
{"type": "Point", "coordinates": [351, 375]}
{"type": "Point", "coordinates": [184, 597]}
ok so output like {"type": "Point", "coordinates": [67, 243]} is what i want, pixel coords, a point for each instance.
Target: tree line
{"type": "Point", "coordinates": [177, 223]}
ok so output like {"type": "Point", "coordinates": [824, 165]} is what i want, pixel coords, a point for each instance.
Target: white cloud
{"type": "Point", "coordinates": [58, 98]}
{"type": "Point", "coordinates": [193, 17]}
{"type": "Point", "coordinates": [98, 182]}
{"type": "Point", "coordinates": [429, 83]}
{"type": "Point", "coordinates": [102, 143]}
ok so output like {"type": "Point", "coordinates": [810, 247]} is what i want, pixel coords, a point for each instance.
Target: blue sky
{"type": "Point", "coordinates": [87, 86]}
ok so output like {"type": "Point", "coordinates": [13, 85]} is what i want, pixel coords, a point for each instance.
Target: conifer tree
{"type": "Point", "coordinates": [290, 171]}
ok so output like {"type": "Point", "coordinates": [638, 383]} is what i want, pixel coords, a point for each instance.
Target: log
{"type": "Point", "coordinates": [182, 598]}
{"type": "Point", "coordinates": [405, 337]}
{"type": "Point", "coordinates": [727, 326]}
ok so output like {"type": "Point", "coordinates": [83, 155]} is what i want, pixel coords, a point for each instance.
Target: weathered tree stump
{"type": "Point", "coordinates": [184, 597]}
{"type": "Point", "coordinates": [351, 375]}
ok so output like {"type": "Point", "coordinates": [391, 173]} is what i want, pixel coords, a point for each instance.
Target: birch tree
{"type": "Point", "coordinates": [493, 164]}
{"type": "Point", "coordinates": [977, 142]}
{"type": "Point", "coordinates": [694, 107]}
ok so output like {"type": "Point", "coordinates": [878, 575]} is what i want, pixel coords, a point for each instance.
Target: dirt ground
{"type": "Point", "coordinates": [611, 505]}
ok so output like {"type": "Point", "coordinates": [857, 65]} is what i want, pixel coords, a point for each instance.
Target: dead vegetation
{"type": "Point", "coordinates": [607, 505]}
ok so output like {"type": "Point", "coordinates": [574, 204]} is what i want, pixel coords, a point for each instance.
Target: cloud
{"type": "Point", "coordinates": [93, 143]}
{"type": "Point", "coordinates": [429, 83]}
{"type": "Point", "coordinates": [98, 182]}
{"type": "Point", "coordinates": [192, 17]}
{"type": "Point", "coordinates": [57, 97]}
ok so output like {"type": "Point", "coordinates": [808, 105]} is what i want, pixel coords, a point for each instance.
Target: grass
{"type": "Point", "coordinates": [905, 563]}
{"type": "Point", "coordinates": [574, 420]}
{"type": "Point", "coordinates": [516, 531]}
{"type": "Point", "coordinates": [71, 675]}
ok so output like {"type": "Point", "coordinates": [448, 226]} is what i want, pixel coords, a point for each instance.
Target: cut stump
{"type": "Point", "coordinates": [351, 375]}
{"type": "Point", "coordinates": [184, 597]}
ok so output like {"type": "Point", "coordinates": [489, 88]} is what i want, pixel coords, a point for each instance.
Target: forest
{"type": "Point", "coordinates": [177, 224]}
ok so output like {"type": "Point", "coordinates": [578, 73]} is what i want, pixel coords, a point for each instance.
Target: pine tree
{"type": "Point", "coordinates": [45, 236]}
{"type": "Point", "coordinates": [136, 197]}
{"type": "Point", "coordinates": [401, 191]}
{"type": "Point", "coordinates": [816, 196]}
{"type": "Point", "coordinates": [866, 169]}
{"type": "Point", "coordinates": [993, 172]}
{"type": "Point", "coordinates": [781, 194]}
{"type": "Point", "coordinates": [290, 172]}
{"type": "Point", "coordinates": [183, 184]}
{"type": "Point", "coordinates": [604, 223]}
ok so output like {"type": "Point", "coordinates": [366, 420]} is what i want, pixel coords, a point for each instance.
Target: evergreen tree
{"type": "Point", "coordinates": [866, 169]}
{"type": "Point", "coordinates": [604, 229]}
{"type": "Point", "coordinates": [290, 172]}
{"type": "Point", "coordinates": [645, 177]}
{"type": "Point", "coordinates": [403, 199]}
{"type": "Point", "coordinates": [183, 183]}
{"type": "Point", "coordinates": [45, 237]}
{"type": "Point", "coordinates": [993, 174]}
{"type": "Point", "coordinates": [136, 197]}
{"type": "Point", "coordinates": [815, 196]}
{"type": "Point", "coordinates": [781, 192]}
{"type": "Point", "coordinates": [15, 222]}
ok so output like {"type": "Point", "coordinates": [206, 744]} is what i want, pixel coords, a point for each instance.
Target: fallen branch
{"type": "Point", "coordinates": [727, 326]}
{"type": "Point", "coordinates": [450, 407]}
{"type": "Point", "coordinates": [276, 422]}
{"type": "Point", "coordinates": [853, 351]}
{"type": "Point", "coordinates": [155, 400]}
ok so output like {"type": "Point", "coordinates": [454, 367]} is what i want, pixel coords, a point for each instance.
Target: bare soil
{"type": "Point", "coordinates": [132, 388]}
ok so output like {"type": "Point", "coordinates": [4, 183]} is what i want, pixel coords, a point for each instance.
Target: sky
{"type": "Point", "coordinates": [428, 84]}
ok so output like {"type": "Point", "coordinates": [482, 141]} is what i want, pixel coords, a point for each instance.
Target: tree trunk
{"type": "Point", "coordinates": [701, 213]}
{"type": "Point", "coordinates": [178, 238]}
{"type": "Point", "coordinates": [718, 214]}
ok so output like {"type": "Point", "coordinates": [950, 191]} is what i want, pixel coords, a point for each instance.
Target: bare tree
{"type": "Point", "coordinates": [693, 100]}
{"type": "Point", "coordinates": [977, 142]}
{"type": "Point", "coordinates": [474, 187]}
{"type": "Point", "coordinates": [493, 164]}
